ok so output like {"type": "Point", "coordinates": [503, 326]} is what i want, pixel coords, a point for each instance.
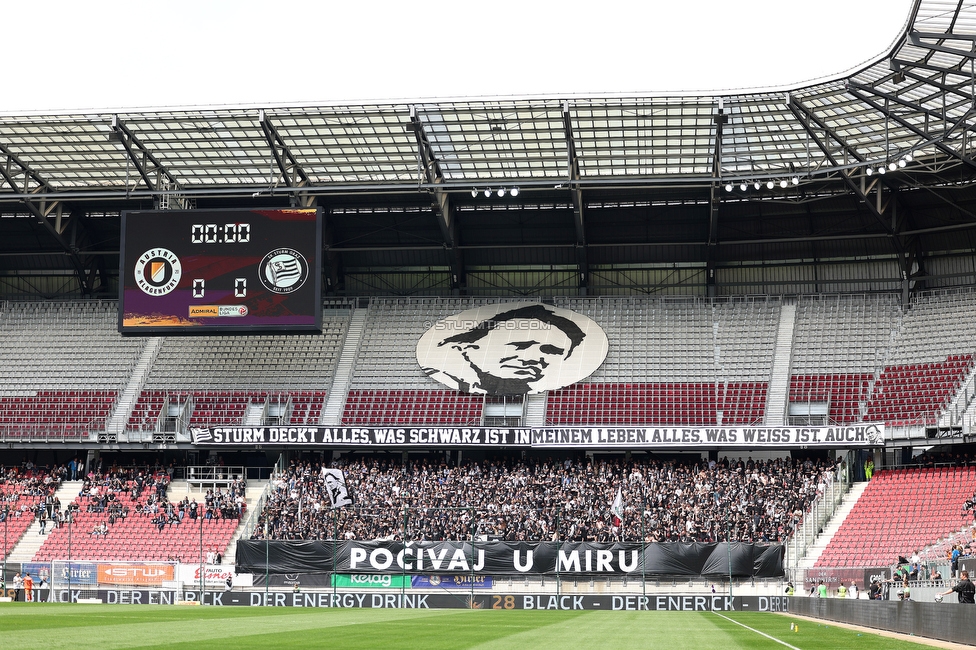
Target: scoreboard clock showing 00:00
{"type": "Point", "coordinates": [187, 271]}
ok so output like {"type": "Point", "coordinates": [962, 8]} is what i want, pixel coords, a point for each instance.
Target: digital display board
{"type": "Point", "coordinates": [211, 271]}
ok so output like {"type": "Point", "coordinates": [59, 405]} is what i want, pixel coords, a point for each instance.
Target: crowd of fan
{"type": "Point", "coordinates": [944, 459]}
{"type": "Point", "coordinates": [29, 490]}
{"type": "Point", "coordinates": [24, 488]}
{"type": "Point", "coordinates": [104, 496]}
{"type": "Point", "coordinates": [663, 501]}
{"type": "Point", "coordinates": [217, 504]}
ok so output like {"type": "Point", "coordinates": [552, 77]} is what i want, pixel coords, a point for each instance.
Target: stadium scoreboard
{"type": "Point", "coordinates": [212, 271]}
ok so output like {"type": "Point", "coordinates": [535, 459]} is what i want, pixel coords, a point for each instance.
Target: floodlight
{"type": "Point", "coordinates": [515, 191]}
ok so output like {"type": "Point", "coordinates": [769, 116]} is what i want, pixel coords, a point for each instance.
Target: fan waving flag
{"type": "Point", "coordinates": [617, 508]}
{"type": "Point", "coordinates": [335, 483]}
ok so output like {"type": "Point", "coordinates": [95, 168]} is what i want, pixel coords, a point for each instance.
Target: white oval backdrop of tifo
{"type": "Point", "coordinates": [512, 348]}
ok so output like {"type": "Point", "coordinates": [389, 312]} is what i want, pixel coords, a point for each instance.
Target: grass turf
{"type": "Point", "coordinates": [106, 627]}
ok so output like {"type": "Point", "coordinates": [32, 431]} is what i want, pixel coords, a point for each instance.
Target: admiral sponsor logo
{"type": "Point", "coordinates": [158, 271]}
{"type": "Point", "coordinates": [283, 270]}
{"type": "Point", "coordinates": [204, 311]}
{"type": "Point", "coordinates": [215, 311]}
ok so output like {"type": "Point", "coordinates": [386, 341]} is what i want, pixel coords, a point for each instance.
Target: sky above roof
{"type": "Point", "coordinates": [109, 54]}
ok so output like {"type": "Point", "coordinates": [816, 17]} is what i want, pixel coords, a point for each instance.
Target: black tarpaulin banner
{"type": "Point", "coordinates": [512, 558]}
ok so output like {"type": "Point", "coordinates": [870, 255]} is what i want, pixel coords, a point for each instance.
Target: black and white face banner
{"type": "Point", "coordinates": [512, 349]}
{"type": "Point", "coordinates": [335, 483]}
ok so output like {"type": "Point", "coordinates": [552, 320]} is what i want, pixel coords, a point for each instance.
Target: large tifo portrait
{"type": "Point", "coordinates": [512, 349]}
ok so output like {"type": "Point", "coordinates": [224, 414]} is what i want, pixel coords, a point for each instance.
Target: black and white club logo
{"type": "Point", "coordinates": [283, 270]}
{"type": "Point", "coordinates": [158, 271]}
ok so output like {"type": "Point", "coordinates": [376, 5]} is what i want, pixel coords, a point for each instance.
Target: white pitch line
{"type": "Point", "coordinates": [771, 638]}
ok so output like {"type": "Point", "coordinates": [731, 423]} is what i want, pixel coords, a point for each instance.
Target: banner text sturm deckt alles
{"type": "Point", "coordinates": [836, 437]}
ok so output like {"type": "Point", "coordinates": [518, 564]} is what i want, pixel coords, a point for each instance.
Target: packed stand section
{"type": "Point", "coordinates": [503, 499]}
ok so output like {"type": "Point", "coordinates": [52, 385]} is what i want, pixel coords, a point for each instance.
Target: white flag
{"type": "Point", "coordinates": [335, 483]}
{"type": "Point", "coordinates": [617, 508]}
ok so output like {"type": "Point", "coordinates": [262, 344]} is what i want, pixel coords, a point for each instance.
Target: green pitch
{"type": "Point", "coordinates": [104, 627]}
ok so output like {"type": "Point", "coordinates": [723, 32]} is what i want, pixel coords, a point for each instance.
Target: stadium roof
{"type": "Point", "coordinates": [877, 164]}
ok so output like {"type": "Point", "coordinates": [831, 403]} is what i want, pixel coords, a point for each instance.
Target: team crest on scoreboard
{"type": "Point", "coordinates": [158, 271]}
{"type": "Point", "coordinates": [283, 270]}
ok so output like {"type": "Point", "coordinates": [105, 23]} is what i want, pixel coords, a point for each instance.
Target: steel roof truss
{"type": "Point", "coordinates": [877, 207]}
{"type": "Point", "coordinates": [13, 164]}
{"type": "Point", "coordinates": [952, 90]}
{"type": "Point", "coordinates": [928, 112]}
{"type": "Point", "coordinates": [937, 142]}
{"type": "Point", "coordinates": [154, 174]}
{"type": "Point", "coordinates": [915, 38]}
{"type": "Point", "coordinates": [292, 172]}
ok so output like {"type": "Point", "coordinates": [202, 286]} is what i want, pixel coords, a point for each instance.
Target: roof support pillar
{"type": "Point", "coordinates": [576, 195]}
{"type": "Point", "coordinates": [431, 174]}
